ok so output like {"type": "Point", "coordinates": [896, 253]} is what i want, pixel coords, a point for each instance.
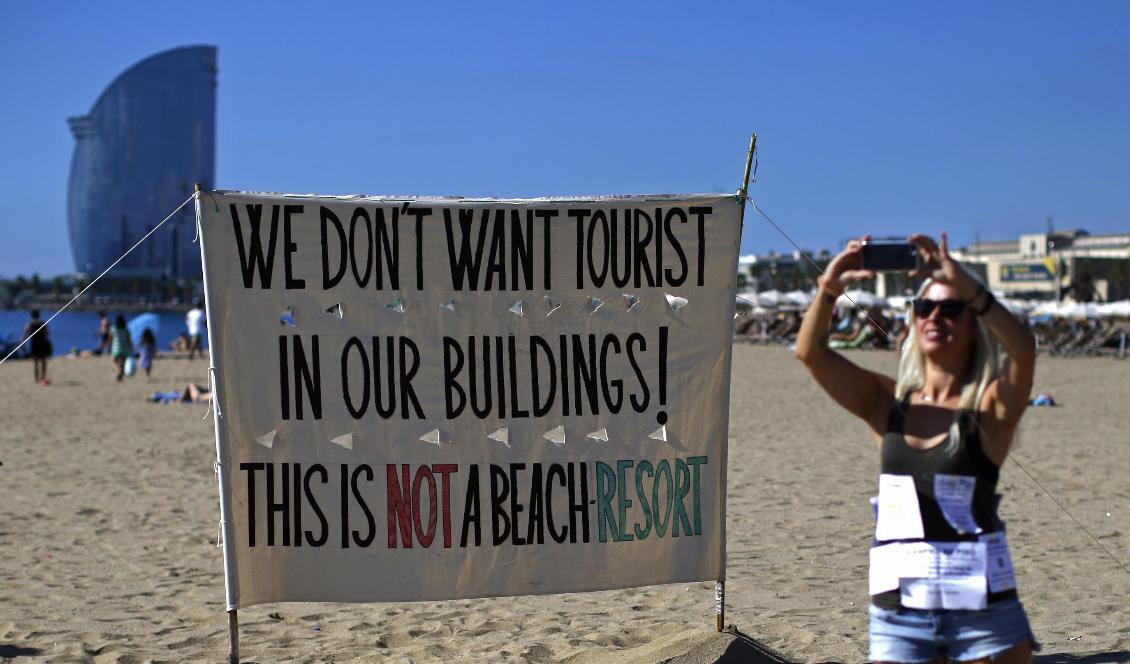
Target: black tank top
{"type": "Point", "coordinates": [966, 458]}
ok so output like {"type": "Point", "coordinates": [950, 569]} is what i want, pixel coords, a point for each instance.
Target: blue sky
{"type": "Point", "coordinates": [879, 117]}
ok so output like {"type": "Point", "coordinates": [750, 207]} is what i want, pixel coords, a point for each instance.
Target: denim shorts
{"type": "Point", "coordinates": [916, 635]}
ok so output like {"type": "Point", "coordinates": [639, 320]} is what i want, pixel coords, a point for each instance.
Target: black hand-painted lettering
{"type": "Point", "coordinates": [289, 247]}
{"type": "Point", "coordinates": [252, 259]}
{"type": "Point", "coordinates": [700, 213]}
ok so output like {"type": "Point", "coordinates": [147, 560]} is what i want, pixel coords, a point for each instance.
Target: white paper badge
{"type": "Point", "coordinates": [942, 575]}
{"type": "Point", "coordinates": [882, 573]}
{"type": "Point", "coordinates": [954, 494]}
{"type": "Point", "coordinates": [899, 517]}
{"type": "Point", "coordinates": [968, 593]}
{"type": "Point", "coordinates": [998, 562]}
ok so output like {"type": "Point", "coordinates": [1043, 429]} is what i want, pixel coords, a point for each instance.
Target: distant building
{"type": "Point", "coordinates": [148, 138]}
{"type": "Point", "coordinates": [784, 272]}
{"type": "Point", "coordinates": [1068, 264]}
{"type": "Point", "coordinates": [1060, 264]}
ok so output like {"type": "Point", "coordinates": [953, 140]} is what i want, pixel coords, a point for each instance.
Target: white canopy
{"type": "Point", "coordinates": [1078, 310]}
{"type": "Point", "coordinates": [898, 302]}
{"type": "Point", "coordinates": [1045, 309]}
{"type": "Point", "coordinates": [770, 298]}
{"type": "Point", "coordinates": [1017, 307]}
{"type": "Point", "coordinates": [799, 298]}
{"type": "Point", "coordinates": [1119, 309]}
{"type": "Point", "coordinates": [861, 298]}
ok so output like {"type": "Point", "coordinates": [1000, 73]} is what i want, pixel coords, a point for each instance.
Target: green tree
{"type": "Point", "coordinates": [1118, 284]}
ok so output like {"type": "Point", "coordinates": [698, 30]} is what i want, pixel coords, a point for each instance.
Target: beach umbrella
{"type": "Point", "coordinates": [861, 298]}
{"type": "Point", "coordinates": [770, 298]}
{"type": "Point", "coordinates": [898, 302]}
{"type": "Point", "coordinates": [137, 325]}
{"type": "Point", "coordinates": [799, 298]}
{"type": "Point", "coordinates": [1016, 307]}
{"type": "Point", "coordinates": [745, 300]}
{"type": "Point", "coordinates": [744, 303]}
{"type": "Point", "coordinates": [1119, 309]}
{"type": "Point", "coordinates": [1077, 310]}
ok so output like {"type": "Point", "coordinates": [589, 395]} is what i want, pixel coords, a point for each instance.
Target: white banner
{"type": "Point", "coordinates": [443, 398]}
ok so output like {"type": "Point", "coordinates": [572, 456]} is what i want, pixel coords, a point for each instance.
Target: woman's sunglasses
{"type": "Point", "coordinates": [948, 308]}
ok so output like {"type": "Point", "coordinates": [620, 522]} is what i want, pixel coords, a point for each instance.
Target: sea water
{"type": "Point", "coordinates": [79, 329]}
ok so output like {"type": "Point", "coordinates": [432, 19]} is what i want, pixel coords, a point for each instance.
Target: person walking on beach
{"type": "Point", "coordinates": [147, 350]}
{"type": "Point", "coordinates": [121, 346]}
{"type": "Point", "coordinates": [941, 579]}
{"type": "Point", "coordinates": [194, 321]}
{"type": "Point", "coordinates": [103, 333]}
{"type": "Point", "coordinates": [40, 346]}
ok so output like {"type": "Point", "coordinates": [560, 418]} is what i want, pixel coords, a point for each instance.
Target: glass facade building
{"type": "Point", "coordinates": [148, 138]}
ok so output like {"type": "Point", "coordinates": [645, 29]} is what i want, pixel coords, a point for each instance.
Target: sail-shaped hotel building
{"type": "Point", "coordinates": [148, 138]}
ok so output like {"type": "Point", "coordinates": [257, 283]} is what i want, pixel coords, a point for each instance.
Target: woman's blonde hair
{"type": "Point", "coordinates": [984, 366]}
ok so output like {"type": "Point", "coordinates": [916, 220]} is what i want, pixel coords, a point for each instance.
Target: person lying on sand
{"type": "Point", "coordinates": [192, 393]}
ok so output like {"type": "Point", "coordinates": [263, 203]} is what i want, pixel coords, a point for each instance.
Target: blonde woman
{"type": "Point", "coordinates": [941, 580]}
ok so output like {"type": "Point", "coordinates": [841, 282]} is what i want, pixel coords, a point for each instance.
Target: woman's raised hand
{"type": "Point", "coordinates": [938, 265]}
{"type": "Point", "coordinates": [846, 268]}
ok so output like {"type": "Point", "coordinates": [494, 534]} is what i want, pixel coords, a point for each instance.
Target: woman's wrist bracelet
{"type": "Point", "coordinates": [989, 300]}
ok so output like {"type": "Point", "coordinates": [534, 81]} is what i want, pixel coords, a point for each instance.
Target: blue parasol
{"type": "Point", "coordinates": [138, 324]}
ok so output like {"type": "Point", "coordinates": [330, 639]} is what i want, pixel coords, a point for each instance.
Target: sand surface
{"type": "Point", "coordinates": [108, 511]}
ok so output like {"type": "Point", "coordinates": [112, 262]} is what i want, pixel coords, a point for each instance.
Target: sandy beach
{"type": "Point", "coordinates": [109, 512]}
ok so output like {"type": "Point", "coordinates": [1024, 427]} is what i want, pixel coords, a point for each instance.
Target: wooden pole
{"type": "Point", "coordinates": [720, 605]}
{"type": "Point", "coordinates": [233, 637]}
{"type": "Point", "coordinates": [743, 193]}
{"type": "Point", "coordinates": [720, 584]}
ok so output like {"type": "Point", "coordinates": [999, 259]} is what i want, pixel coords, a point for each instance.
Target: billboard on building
{"type": "Point", "coordinates": [1029, 271]}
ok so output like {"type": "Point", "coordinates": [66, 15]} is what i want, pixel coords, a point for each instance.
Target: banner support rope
{"type": "Point", "coordinates": [819, 269]}
{"type": "Point", "coordinates": [95, 280]}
